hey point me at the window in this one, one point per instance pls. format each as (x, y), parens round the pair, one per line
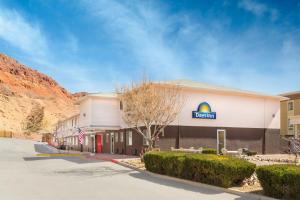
(290, 126)
(86, 140)
(76, 140)
(116, 137)
(290, 105)
(121, 137)
(121, 105)
(107, 138)
(129, 138)
(73, 141)
(145, 142)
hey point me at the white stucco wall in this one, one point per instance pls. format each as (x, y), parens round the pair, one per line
(105, 112)
(232, 110)
(85, 109)
(272, 114)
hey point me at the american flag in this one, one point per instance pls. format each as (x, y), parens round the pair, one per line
(80, 136)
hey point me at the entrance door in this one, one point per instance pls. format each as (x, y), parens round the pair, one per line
(221, 140)
(112, 143)
(99, 143)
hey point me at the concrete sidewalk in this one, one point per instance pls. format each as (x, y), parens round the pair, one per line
(109, 157)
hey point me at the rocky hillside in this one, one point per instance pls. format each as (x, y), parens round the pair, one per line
(22, 88)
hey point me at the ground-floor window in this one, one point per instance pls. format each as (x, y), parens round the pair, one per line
(76, 140)
(86, 140)
(116, 137)
(121, 137)
(145, 142)
(73, 141)
(221, 140)
(290, 125)
(107, 138)
(129, 138)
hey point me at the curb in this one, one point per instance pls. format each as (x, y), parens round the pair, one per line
(195, 184)
(57, 155)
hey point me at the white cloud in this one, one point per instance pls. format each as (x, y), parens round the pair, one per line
(165, 44)
(138, 28)
(259, 9)
(254, 7)
(175, 45)
(29, 38)
(15, 30)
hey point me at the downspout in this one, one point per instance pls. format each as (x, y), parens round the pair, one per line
(178, 135)
(265, 130)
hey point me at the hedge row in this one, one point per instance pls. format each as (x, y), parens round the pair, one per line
(209, 151)
(206, 168)
(280, 181)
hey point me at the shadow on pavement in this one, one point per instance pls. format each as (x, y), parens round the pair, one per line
(74, 159)
(171, 183)
(100, 171)
(42, 148)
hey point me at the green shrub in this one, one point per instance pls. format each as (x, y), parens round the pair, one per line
(217, 170)
(154, 162)
(212, 169)
(168, 163)
(209, 151)
(280, 181)
(251, 153)
(173, 164)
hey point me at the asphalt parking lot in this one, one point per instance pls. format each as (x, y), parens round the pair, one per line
(25, 176)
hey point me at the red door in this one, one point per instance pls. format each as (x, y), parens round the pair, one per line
(99, 143)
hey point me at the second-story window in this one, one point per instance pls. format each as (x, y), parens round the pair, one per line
(290, 106)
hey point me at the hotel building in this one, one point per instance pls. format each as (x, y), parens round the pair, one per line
(212, 116)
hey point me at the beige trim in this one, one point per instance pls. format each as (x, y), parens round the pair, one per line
(97, 95)
(295, 119)
(187, 84)
(220, 89)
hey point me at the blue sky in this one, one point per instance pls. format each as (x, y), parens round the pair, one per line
(95, 45)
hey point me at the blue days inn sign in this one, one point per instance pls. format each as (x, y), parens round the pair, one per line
(204, 112)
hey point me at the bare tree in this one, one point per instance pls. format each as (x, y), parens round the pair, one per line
(295, 147)
(149, 107)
